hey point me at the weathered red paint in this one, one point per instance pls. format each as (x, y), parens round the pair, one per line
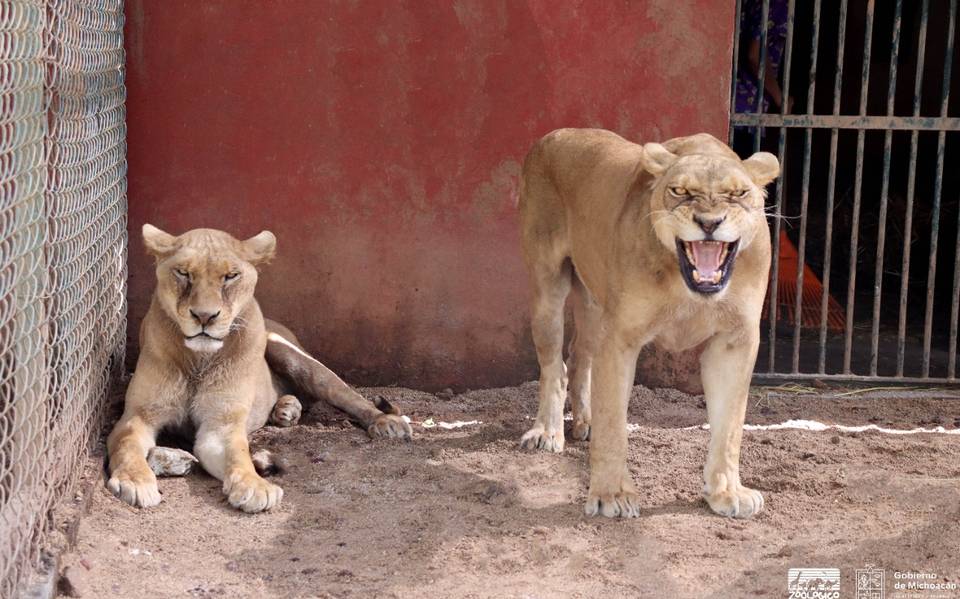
(381, 141)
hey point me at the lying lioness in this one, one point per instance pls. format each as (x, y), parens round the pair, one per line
(659, 243)
(210, 364)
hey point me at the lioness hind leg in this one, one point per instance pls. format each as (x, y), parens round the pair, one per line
(286, 412)
(311, 378)
(550, 289)
(586, 316)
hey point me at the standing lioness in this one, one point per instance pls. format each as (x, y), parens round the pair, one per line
(203, 368)
(659, 243)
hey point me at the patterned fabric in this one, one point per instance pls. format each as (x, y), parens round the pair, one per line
(751, 17)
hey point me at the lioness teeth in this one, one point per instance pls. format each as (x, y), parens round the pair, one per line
(714, 278)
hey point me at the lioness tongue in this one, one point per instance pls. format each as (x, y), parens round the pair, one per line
(706, 257)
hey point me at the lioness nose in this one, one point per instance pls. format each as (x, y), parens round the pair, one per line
(204, 317)
(709, 225)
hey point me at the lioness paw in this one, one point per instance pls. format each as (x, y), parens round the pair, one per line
(286, 412)
(390, 426)
(740, 503)
(139, 490)
(250, 493)
(170, 461)
(623, 504)
(581, 430)
(546, 439)
(612, 497)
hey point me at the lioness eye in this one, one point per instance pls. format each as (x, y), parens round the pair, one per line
(739, 193)
(182, 273)
(678, 191)
(231, 276)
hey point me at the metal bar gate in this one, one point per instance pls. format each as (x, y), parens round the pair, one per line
(819, 322)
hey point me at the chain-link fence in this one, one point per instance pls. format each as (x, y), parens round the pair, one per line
(62, 253)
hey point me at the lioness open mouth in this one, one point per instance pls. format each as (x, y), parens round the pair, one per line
(706, 265)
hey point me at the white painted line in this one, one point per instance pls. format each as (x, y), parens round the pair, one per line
(813, 425)
(803, 425)
(458, 424)
(430, 423)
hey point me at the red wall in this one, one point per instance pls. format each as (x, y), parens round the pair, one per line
(381, 141)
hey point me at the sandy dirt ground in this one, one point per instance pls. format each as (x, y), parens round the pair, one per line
(466, 513)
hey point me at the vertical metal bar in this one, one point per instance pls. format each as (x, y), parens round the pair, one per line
(775, 262)
(954, 309)
(761, 70)
(805, 189)
(911, 187)
(855, 223)
(779, 194)
(831, 190)
(937, 191)
(736, 67)
(884, 190)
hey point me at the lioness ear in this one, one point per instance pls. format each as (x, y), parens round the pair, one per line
(261, 247)
(157, 242)
(657, 158)
(763, 167)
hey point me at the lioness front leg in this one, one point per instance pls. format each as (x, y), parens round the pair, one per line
(726, 366)
(612, 492)
(150, 403)
(224, 452)
(131, 478)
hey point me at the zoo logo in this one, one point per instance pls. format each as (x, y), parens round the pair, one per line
(813, 583)
(870, 582)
